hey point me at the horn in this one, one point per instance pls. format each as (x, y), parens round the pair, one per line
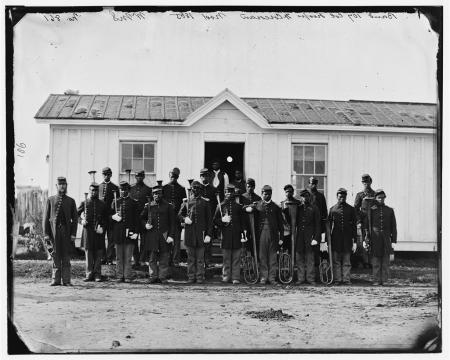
(248, 262)
(92, 173)
(159, 182)
(128, 171)
(286, 258)
(326, 265)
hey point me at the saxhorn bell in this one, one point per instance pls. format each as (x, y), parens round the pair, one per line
(326, 265)
(248, 263)
(254, 280)
(92, 173)
(286, 258)
(128, 171)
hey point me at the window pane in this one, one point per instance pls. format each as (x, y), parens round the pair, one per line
(309, 152)
(320, 153)
(298, 152)
(320, 167)
(309, 160)
(298, 166)
(309, 167)
(126, 164)
(126, 150)
(138, 151)
(138, 164)
(149, 165)
(149, 150)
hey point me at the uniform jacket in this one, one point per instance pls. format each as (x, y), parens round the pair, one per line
(318, 199)
(174, 194)
(199, 212)
(287, 215)
(272, 213)
(248, 198)
(384, 229)
(361, 205)
(342, 221)
(140, 193)
(308, 227)
(52, 210)
(209, 192)
(240, 186)
(127, 208)
(106, 193)
(231, 232)
(97, 215)
(162, 218)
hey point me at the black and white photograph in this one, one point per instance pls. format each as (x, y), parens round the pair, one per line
(224, 179)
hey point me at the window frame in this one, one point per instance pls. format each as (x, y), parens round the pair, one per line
(141, 142)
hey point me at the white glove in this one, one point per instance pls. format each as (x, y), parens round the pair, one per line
(358, 226)
(46, 237)
(249, 209)
(148, 226)
(243, 240)
(353, 248)
(393, 246)
(365, 245)
(313, 242)
(226, 218)
(134, 236)
(116, 217)
(83, 216)
(83, 222)
(323, 247)
(187, 220)
(169, 240)
(280, 242)
(323, 237)
(99, 230)
(207, 239)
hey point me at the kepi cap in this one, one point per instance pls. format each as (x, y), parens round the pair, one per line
(175, 171)
(94, 185)
(106, 170)
(124, 185)
(204, 171)
(380, 192)
(140, 173)
(156, 188)
(304, 193)
(231, 187)
(61, 180)
(288, 186)
(196, 184)
(365, 177)
(341, 191)
(250, 181)
(313, 180)
(266, 188)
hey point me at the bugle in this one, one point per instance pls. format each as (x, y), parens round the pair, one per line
(326, 265)
(92, 173)
(85, 206)
(251, 217)
(286, 257)
(128, 171)
(248, 262)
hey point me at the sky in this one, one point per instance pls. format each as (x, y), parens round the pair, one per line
(335, 58)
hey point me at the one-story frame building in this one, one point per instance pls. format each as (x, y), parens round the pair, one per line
(275, 141)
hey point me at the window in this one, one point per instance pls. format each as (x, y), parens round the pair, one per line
(309, 160)
(138, 156)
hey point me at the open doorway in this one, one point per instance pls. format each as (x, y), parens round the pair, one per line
(230, 155)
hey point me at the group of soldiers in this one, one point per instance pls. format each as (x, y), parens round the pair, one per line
(146, 225)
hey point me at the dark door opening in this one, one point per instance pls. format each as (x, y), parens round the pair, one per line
(230, 155)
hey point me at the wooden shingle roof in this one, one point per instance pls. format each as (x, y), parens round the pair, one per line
(175, 109)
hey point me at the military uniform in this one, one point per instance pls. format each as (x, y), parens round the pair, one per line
(60, 223)
(174, 194)
(199, 211)
(140, 192)
(161, 217)
(248, 199)
(239, 186)
(231, 238)
(106, 192)
(383, 232)
(122, 233)
(342, 221)
(287, 230)
(96, 215)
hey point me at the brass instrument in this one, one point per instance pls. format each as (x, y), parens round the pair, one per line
(326, 265)
(159, 182)
(92, 173)
(85, 206)
(286, 258)
(149, 215)
(248, 263)
(255, 254)
(188, 195)
(128, 171)
(115, 201)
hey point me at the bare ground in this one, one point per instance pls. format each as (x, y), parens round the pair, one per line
(92, 317)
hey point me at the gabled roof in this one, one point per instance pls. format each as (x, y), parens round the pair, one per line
(177, 109)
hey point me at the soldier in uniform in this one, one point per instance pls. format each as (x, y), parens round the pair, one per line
(289, 192)
(94, 215)
(342, 222)
(363, 201)
(140, 192)
(106, 192)
(381, 232)
(269, 233)
(308, 237)
(158, 219)
(219, 178)
(248, 198)
(239, 183)
(210, 193)
(195, 213)
(228, 218)
(174, 193)
(124, 231)
(60, 229)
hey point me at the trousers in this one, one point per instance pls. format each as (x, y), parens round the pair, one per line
(267, 255)
(380, 268)
(161, 272)
(110, 249)
(231, 264)
(93, 263)
(195, 263)
(341, 266)
(61, 257)
(124, 253)
(305, 265)
(176, 244)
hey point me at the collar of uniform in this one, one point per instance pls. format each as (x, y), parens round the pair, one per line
(267, 202)
(106, 182)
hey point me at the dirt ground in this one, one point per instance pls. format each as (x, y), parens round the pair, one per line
(111, 317)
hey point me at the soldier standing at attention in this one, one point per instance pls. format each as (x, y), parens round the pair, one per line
(140, 192)
(248, 198)
(289, 192)
(342, 221)
(158, 219)
(195, 213)
(381, 232)
(269, 231)
(174, 193)
(106, 192)
(94, 215)
(60, 228)
(209, 193)
(308, 237)
(230, 221)
(219, 178)
(363, 200)
(125, 234)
